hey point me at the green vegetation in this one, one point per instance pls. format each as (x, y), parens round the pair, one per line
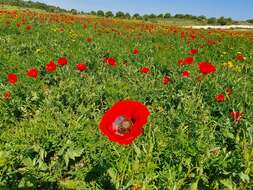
(31, 4)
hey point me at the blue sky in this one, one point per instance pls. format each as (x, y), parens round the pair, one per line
(237, 9)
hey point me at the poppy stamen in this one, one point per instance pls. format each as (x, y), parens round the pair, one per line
(122, 125)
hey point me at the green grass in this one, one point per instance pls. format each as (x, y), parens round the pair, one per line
(49, 136)
(11, 7)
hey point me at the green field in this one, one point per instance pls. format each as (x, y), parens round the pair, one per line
(49, 125)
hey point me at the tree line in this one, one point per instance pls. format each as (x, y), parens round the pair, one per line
(212, 20)
(120, 14)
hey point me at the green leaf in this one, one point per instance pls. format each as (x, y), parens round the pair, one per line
(4, 157)
(244, 177)
(194, 186)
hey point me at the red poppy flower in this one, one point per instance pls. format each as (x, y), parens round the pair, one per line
(210, 42)
(18, 25)
(33, 73)
(182, 35)
(199, 78)
(180, 62)
(28, 28)
(206, 68)
(144, 70)
(111, 61)
(220, 97)
(193, 51)
(89, 40)
(166, 80)
(81, 67)
(186, 61)
(240, 57)
(7, 95)
(23, 21)
(12, 78)
(186, 74)
(51, 67)
(236, 116)
(135, 51)
(62, 61)
(85, 26)
(124, 121)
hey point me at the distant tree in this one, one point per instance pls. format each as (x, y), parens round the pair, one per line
(167, 15)
(137, 16)
(187, 16)
(250, 21)
(145, 17)
(160, 16)
(120, 14)
(127, 15)
(109, 14)
(152, 16)
(211, 20)
(179, 16)
(222, 21)
(93, 13)
(100, 13)
(73, 11)
(194, 17)
(201, 17)
(229, 20)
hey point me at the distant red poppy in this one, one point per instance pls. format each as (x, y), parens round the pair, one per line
(110, 61)
(186, 61)
(29, 27)
(89, 40)
(124, 121)
(144, 70)
(236, 116)
(220, 97)
(193, 51)
(186, 74)
(135, 51)
(62, 61)
(210, 42)
(18, 25)
(12, 78)
(85, 25)
(182, 34)
(7, 95)
(199, 78)
(206, 68)
(166, 80)
(240, 57)
(23, 21)
(51, 67)
(33, 73)
(81, 67)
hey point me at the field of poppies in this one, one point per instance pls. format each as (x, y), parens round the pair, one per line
(95, 103)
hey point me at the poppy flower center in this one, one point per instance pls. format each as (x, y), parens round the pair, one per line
(122, 125)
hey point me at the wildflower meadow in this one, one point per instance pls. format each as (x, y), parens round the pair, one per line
(101, 103)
